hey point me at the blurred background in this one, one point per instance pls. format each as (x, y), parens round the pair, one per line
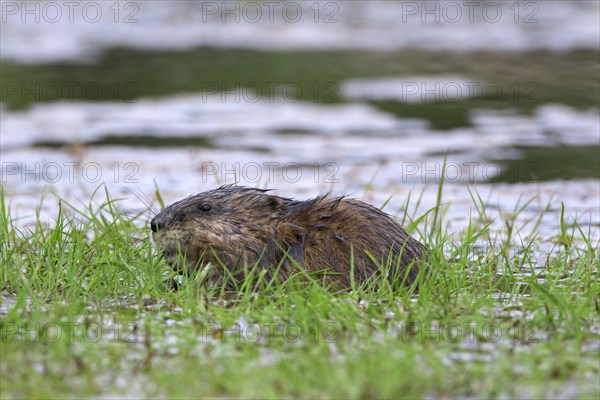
(365, 98)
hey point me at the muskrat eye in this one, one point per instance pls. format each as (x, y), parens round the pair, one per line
(205, 207)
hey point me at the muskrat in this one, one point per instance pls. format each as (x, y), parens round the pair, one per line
(239, 227)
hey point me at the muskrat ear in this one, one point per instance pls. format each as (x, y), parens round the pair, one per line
(276, 203)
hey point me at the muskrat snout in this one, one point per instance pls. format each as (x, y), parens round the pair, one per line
(156, 224)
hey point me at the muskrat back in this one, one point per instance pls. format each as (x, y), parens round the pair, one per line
(237, 227)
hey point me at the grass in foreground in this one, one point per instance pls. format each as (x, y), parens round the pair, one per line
(86, 313)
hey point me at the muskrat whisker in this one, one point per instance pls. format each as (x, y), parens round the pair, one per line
(145, 200)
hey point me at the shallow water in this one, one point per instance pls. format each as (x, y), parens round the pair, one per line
(47, 34)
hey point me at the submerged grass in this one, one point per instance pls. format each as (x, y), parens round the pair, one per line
(86, 312)
(522, 80)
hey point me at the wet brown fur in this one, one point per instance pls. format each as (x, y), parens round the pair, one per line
(247, 226)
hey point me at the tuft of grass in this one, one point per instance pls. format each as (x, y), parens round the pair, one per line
(86, 313)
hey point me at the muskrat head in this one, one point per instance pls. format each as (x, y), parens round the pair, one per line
(227, 226)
